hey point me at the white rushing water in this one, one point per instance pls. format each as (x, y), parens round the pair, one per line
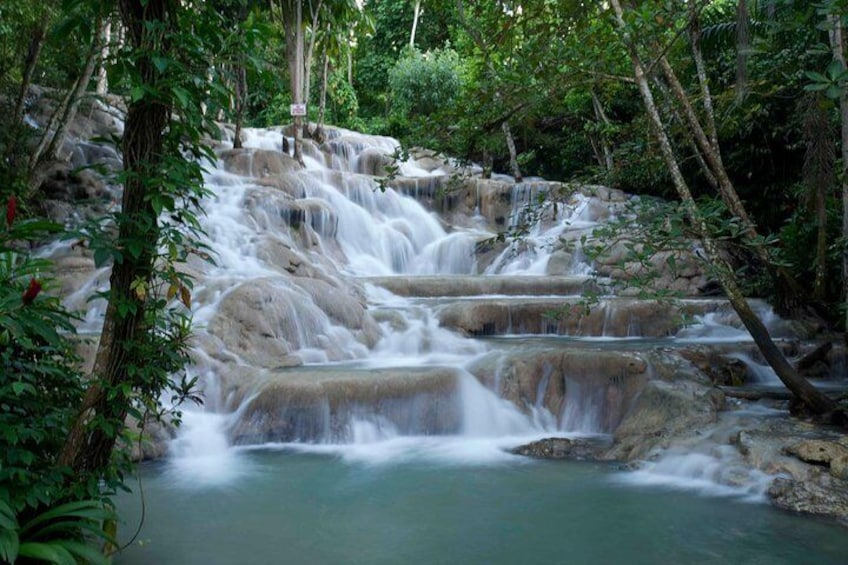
(294, 242)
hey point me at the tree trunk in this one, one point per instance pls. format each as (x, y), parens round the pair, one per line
(837, 43)
(90, 441)
(701, 71)
(102, 77)
(415, 14)
(315, 13)
(742, 46)
(712, 156)
(799, 386)
(65, 113)
(602, 118)
(240, 101)
(322, 107)
(513, 155)
(294, 55)
(819, 161)
(36, 42)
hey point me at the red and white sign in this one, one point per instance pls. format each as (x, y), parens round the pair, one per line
(298, 109)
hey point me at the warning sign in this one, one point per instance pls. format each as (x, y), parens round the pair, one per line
(298, 109)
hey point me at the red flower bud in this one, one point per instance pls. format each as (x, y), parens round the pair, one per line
(11, 210)
(31, 292)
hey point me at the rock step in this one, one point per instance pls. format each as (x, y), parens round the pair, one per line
(476, 285)
(587, 390)
(310, 404)
(611, 317)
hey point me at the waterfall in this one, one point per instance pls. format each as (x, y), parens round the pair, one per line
(301, 346)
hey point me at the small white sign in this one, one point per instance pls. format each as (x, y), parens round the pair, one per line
(298, 109)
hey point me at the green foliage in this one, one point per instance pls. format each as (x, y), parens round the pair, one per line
(422, 84)
(59, 535)
(377, 52)
(343, 103)
(163, 231)
(40, 386)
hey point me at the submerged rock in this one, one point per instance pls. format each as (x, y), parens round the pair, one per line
(818, 494)
(577, 449)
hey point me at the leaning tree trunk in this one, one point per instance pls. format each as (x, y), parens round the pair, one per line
(602, 118)
(712, 157)
(90, 442)
(799, 386)
(54, 134)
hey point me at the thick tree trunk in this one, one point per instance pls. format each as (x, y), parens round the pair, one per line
(513, 155)
(90, 441)
(294, 55)
(799, 386)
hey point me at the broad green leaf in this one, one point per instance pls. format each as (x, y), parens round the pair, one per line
(9, 545)
(161, 63)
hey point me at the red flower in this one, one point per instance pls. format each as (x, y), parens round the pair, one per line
(11, 210)
(31, 292)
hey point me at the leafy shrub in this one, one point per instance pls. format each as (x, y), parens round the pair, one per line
(57, 535)
(40, 386)
(421, 84)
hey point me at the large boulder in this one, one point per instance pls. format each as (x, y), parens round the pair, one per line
(819, 494)
(258, 163)
(661, 412)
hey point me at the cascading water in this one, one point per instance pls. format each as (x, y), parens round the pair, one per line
(335, 223)
(297, 348)
(291, 242)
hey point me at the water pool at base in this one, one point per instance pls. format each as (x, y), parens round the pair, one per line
(322, 508)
